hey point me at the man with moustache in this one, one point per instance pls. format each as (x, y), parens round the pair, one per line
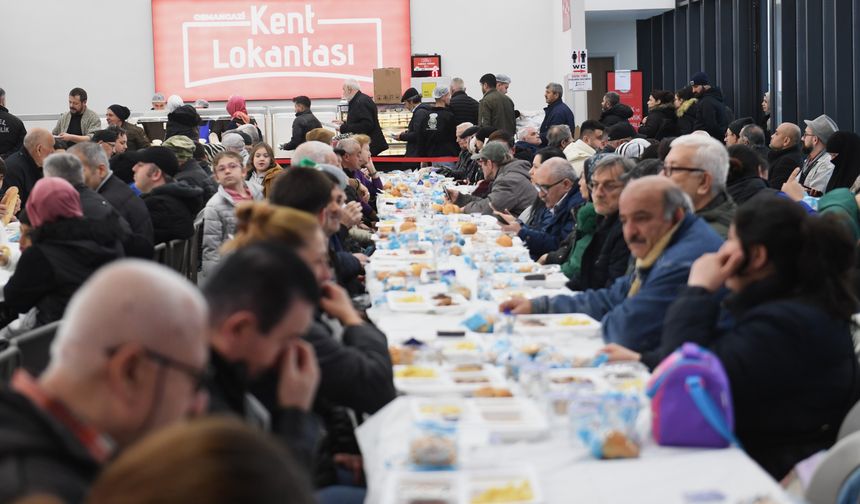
(665, 237)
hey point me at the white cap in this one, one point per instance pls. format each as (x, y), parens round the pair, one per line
(504, 79)
(439, 92)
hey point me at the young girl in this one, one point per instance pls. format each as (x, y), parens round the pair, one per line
(219, 215)
(262, 167)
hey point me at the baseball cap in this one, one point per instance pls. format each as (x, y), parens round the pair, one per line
(162, 157)
(469, 131)
(503, 78)
(484, 133)
(699, 79)
(822, 126)
(410, 95)
(494, 151)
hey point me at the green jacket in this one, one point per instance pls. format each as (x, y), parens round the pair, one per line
(137, 138)
(719, 213)
(497, 110)
(90, 123)
(841, 201)
(586, 226)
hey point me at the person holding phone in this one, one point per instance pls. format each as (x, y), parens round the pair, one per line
(789, 353)
(510, 184)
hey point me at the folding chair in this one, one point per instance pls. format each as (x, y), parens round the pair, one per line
(159, 254)
(194, 250)
(35, 347)
(10, 360)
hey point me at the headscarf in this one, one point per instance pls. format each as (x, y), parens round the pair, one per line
(236, 109)
(173, 103)
(51, 199)
(846, 166)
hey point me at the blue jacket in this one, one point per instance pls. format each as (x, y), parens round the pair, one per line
(556, 112)
(637, 322)
(553, 227)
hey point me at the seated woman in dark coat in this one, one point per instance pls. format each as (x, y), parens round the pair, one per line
(65, 250)
(787, 350)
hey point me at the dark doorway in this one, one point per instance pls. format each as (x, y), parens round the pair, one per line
(598, 68)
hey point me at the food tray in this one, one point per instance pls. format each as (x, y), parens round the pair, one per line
(461, 487)
(511, 419)
(420, 302)
(432, 380)
(564, 323)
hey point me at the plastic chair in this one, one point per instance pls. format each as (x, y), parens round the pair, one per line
(851, 423)
(195, 249)
(159, 253)
(836, 472)
(10, 360)
(35, 347)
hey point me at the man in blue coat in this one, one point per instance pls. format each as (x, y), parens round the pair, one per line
(665, 237)
(548, 225)
(556, 111)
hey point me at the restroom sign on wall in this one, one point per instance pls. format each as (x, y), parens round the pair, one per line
(579, 62)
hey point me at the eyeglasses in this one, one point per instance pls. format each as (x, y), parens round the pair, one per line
(669, 169)
(607, 186)
(199, 377)
(543, 188)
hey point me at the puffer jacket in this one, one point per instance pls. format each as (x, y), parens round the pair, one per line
(194, 175)
(662, 122)
(616, 114)
(219, 223)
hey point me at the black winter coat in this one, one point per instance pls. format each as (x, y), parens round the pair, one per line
(23, 173)
(173, 208)
(39, 455)
(780, 165)
(129, 206)
(743, 189)
(410, 136)
(464, 107)
(12, 132)
(616, 114)
(791, 367)
(662, 123)
(363, 117)
(437, 133)
(194, 175)
(183, 121)
(711, 114)
(304, 122)
(63, 255)
(605, 259)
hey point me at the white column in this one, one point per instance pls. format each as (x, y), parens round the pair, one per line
(577, 100)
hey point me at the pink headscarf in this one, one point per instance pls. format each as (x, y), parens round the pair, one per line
(52, 198)
(236, 106)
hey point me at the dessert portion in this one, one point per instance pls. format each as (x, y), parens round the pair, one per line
(415, 372)
(515, 491)
(617, 445)
(433, 451)
(492, 392)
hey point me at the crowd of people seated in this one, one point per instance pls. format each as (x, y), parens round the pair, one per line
(735, 234)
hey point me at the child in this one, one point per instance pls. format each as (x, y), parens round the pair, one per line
(219, 215)
(262, 167)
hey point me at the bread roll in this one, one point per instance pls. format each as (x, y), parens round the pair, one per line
(10, 200)
(469, 228)
(505, 241)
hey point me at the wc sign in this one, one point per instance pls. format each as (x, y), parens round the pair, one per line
(275, 49)
(579, 60)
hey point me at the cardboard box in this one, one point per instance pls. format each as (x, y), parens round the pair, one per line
(386, 86)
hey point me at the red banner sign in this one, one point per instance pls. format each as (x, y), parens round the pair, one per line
(275, 49)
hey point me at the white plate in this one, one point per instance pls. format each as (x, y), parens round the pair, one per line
(511, 418)
(402, 254)
(419, 302)
(563, 323)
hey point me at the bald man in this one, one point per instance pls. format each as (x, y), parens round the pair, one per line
(24, 168)
(127, 360)
(665, 237)
(784, 155)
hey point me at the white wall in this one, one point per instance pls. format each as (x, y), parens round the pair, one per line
(106, 48)
(616, 39)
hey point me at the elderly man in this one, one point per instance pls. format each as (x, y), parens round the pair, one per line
(503, 82)
(362, 117)
(784, 155)
(700, 166)
(527, 144)
(817, 166)
(556, 111)
(12, 130)
(99, 177)
(117, 115)
(495, 109)
(559, 136)
(591, 141)
(665, 238)
(128, 359)
(350, 160)
(112, 140)
(550, 223)
(464, 107)
(510, 186)
(606, 256)
(262, 300)
(318, 152)
(24, 168)
(79, 123)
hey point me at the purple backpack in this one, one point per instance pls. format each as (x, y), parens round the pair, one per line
(691, 404)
